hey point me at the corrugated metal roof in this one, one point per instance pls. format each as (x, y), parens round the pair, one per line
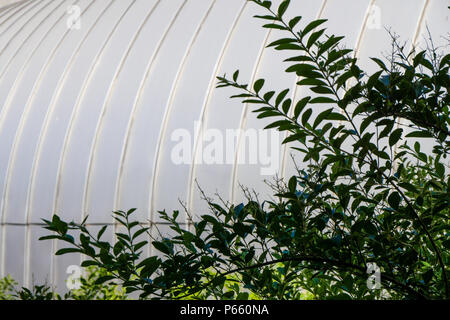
(87, 115)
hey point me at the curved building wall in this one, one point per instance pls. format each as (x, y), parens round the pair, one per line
(89, 114)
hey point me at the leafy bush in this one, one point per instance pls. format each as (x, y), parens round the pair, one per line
(359, 201)
(90, 289)
(93, 287)
(7, 285)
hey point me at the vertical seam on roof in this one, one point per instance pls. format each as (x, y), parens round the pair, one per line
(23, 26)
(206, 104)
(244, 116)
(20, 74)
(61, 82)
(3, 200)
(18, 8)
(414, 42)
(92, 154)
(137, 103)
(7, 106)
(155, 173)
(363, 29)
(68, 135)
(10, 9)
(6, 11)
(135, 107)
(36, 84)
(357, 47)
(24, 116)
(420, 24)
(296, 90)
(8, 64)
(53, 103)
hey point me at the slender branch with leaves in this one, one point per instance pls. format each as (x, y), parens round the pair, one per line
(365, 192)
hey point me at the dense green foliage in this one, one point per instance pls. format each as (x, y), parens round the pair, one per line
(365, 193)
(7, 285)
(90, 289)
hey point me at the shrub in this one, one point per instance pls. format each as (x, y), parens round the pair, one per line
(7, 285)
(90, 289)
(362, 220)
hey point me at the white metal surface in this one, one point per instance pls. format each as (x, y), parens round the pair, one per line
(86, 115)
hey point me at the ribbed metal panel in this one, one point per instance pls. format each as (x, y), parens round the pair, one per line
(86, 116)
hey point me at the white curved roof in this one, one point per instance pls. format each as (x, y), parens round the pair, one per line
(86, 115)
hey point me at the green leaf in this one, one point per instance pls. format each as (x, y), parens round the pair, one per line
(274, 26)
(419, 134)
(235, 75)
(300, 106)
(311, 82)
(281, 97)
(322, 100)
(139, 245)
(266, 17)
(343, 78)
(322, 90)
(162, 247)
(293, 184)
(103, 279)
(440, 169)
(281, 41)
(283, 7)
(131, 211)
(288, 46)
(150, 265)
(380, 64)
(242, 95)
(336, 55)
(286, 105)
(299, 59)
(277, 124)
(50, 237)
(374, 78)
(395, 136)
(394, 200)
(427, 64)
(370, 228)
(268, 114)
(301, 68)
(252, 101)
(269, 95)
(322, 116)
(293, 22)
(88, 263)
(101, 232)
(446, 244)
(139, 232)
(336, 116)
(366, 122)
(258, 85)
(408, 186)
(266, 4)
(294, 137)
(329, 44)
(314, 37)
(68, 250)
(306, 115)
(311, 26)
